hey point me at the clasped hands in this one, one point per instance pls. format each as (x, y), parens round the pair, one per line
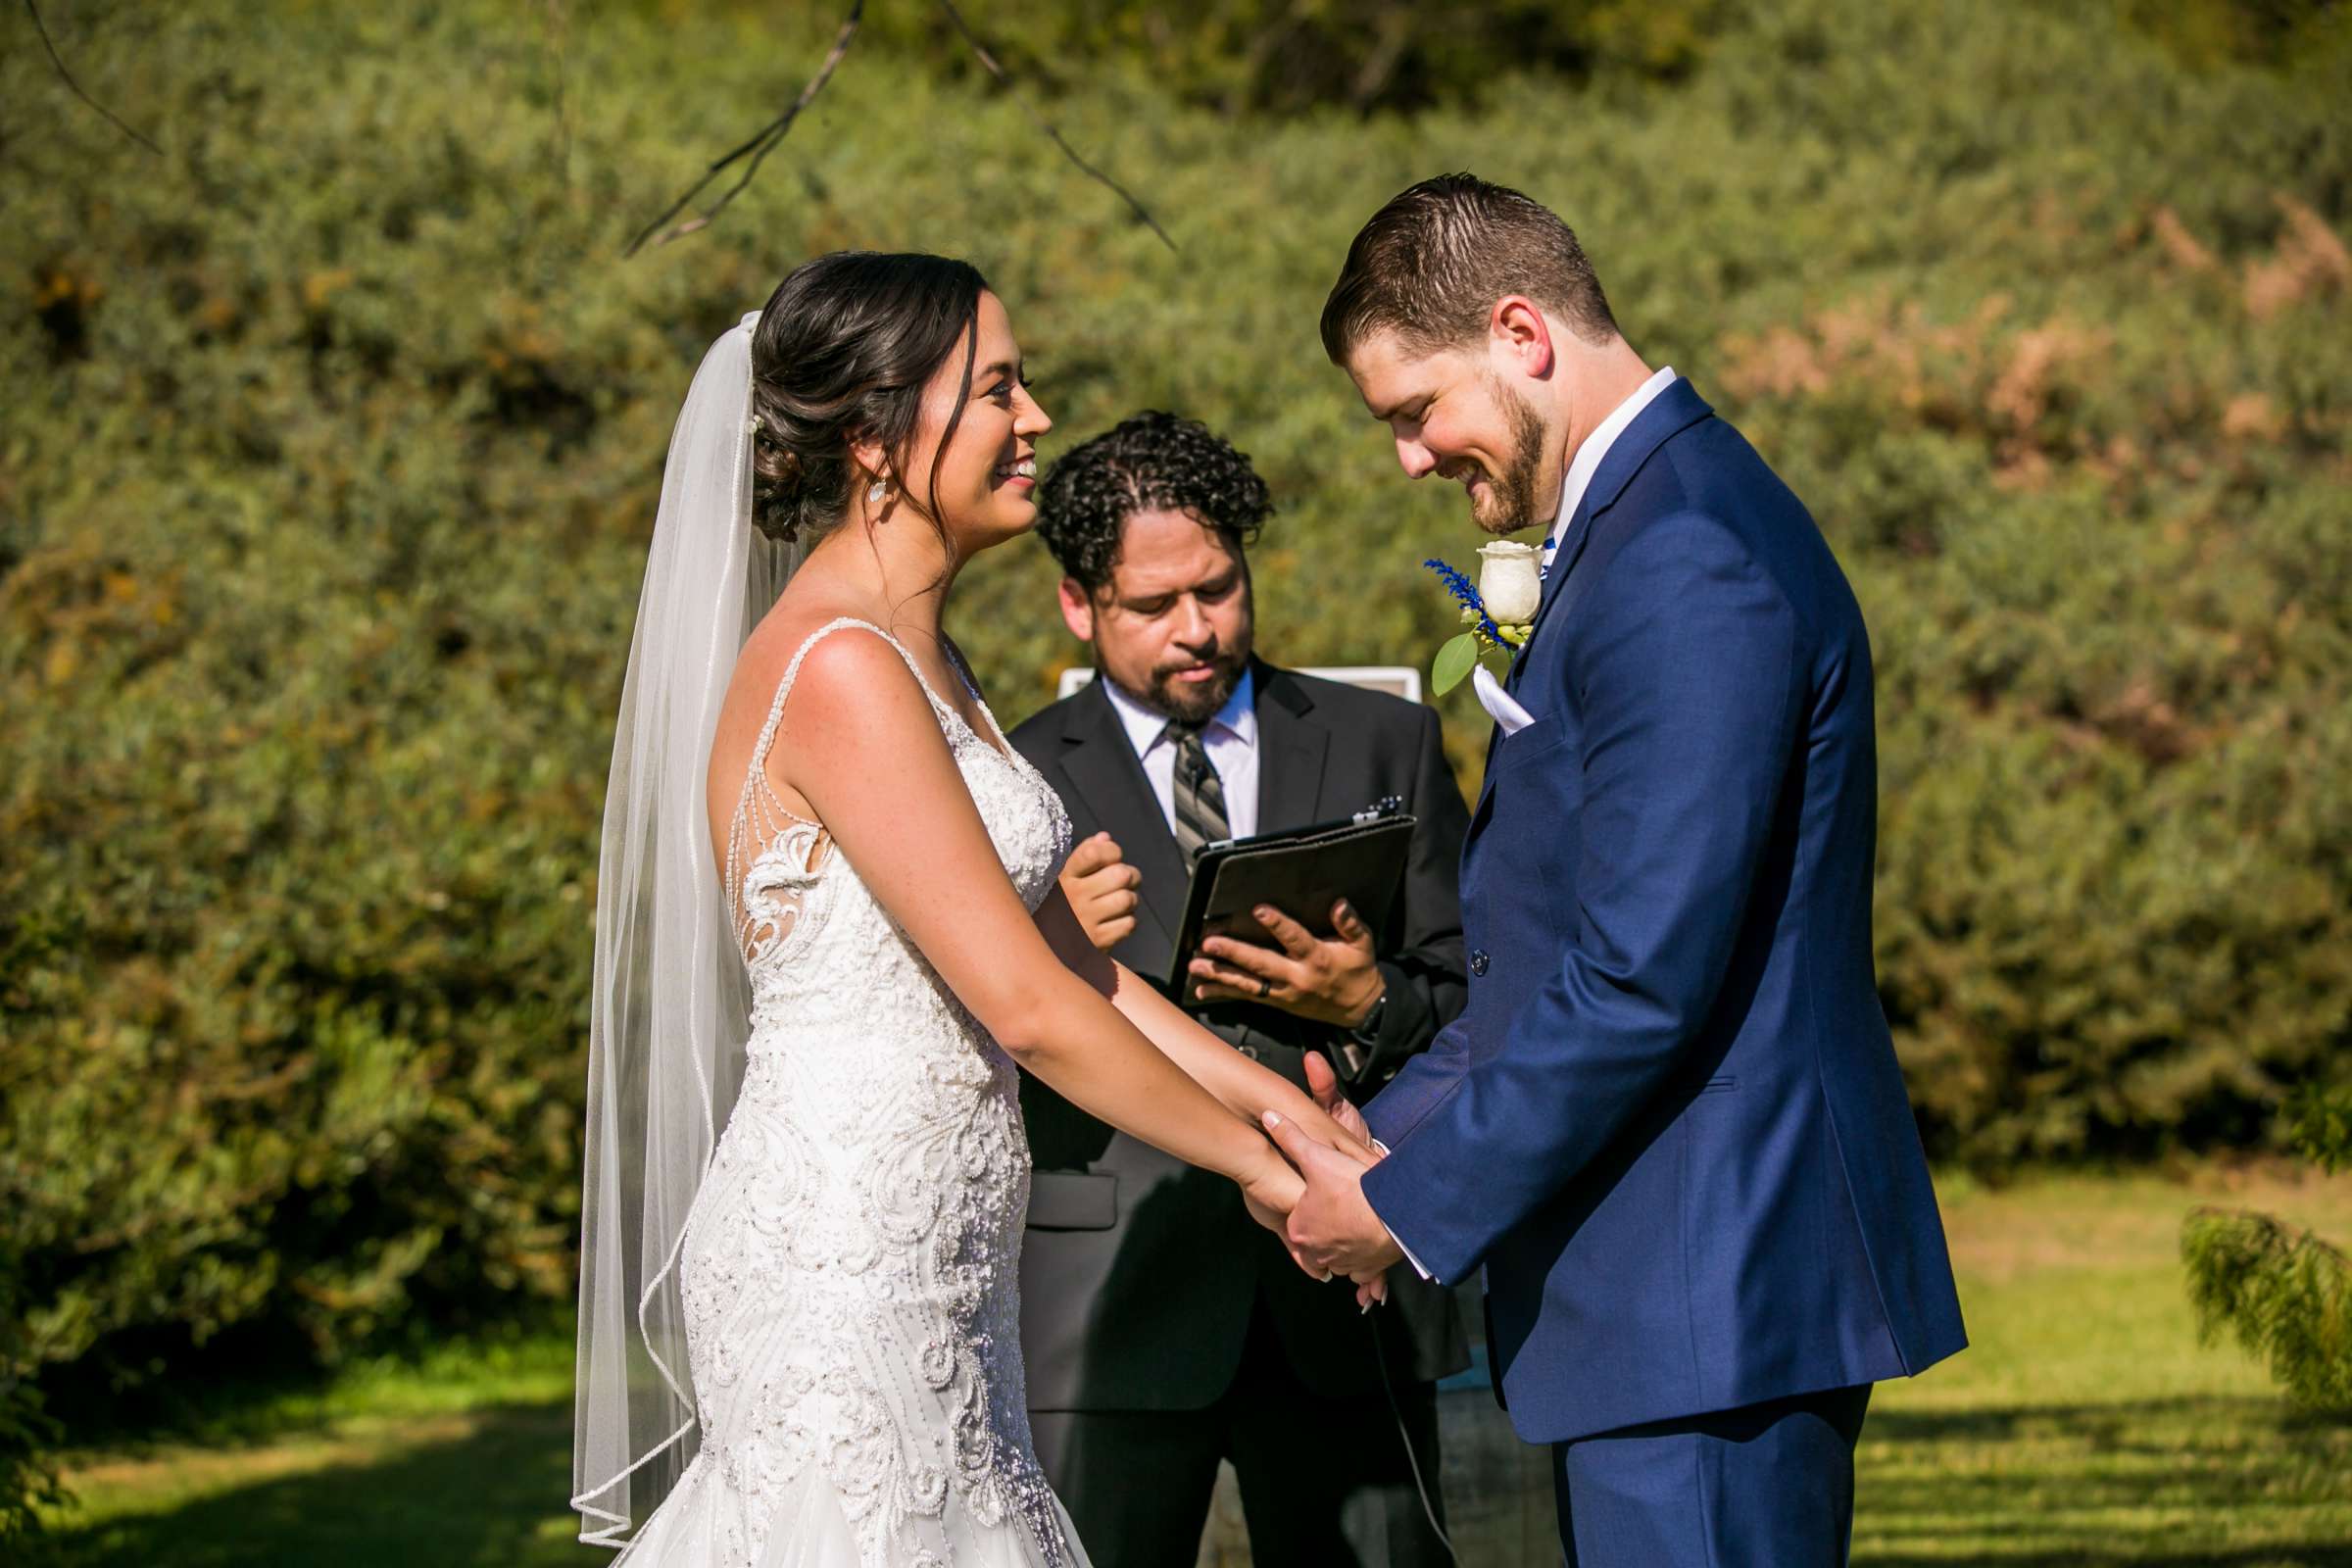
(1312, 1197)
(1329, 1227)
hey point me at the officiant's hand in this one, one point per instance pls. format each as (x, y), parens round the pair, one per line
(1331, 981)
(1102, 889)
(1332, 1227)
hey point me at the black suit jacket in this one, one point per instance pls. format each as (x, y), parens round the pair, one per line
(1138, 1273)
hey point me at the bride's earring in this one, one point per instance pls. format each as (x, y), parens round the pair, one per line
(876, 492)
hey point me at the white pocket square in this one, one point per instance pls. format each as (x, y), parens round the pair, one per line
(1500, 704)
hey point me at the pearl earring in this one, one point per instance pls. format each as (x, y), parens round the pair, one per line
(876, 492)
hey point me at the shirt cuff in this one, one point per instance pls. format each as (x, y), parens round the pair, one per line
(1382, 1149)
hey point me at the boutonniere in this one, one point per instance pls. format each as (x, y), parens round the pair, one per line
(1498, 609)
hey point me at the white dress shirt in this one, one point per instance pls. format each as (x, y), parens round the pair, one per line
(1230, 739)
(1499, 703)
(1586, 461)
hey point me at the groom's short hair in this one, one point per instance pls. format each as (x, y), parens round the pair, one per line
(1429, 266)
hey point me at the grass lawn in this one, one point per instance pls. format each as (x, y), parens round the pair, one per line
(2084, 1423)
(2083, 1426)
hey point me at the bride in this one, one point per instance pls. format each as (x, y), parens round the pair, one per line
(827, 929)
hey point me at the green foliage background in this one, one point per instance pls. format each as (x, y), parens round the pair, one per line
(334, 436)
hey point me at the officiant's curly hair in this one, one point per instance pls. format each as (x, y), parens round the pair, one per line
(1429, 266)
(1152, 461)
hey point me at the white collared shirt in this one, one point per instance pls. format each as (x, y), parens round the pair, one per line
(1499, 703)
(1586, 461)
(1230, 739)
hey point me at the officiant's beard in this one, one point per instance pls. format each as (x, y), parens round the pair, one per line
(1193, 702)
(1511, 504)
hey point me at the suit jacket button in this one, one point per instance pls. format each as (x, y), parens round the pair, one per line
(1247, 1050)
(1478, 962)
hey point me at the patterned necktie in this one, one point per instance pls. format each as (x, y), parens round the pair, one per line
(1199, 793)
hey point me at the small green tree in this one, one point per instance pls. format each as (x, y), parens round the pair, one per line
(27, 1481)
(2283, 1294)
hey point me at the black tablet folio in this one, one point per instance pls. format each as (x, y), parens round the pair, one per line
(1302, 872)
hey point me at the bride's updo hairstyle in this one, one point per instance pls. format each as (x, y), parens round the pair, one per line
(843, 350)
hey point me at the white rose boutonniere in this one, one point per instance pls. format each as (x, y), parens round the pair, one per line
(1507, 582)
(1500, 610)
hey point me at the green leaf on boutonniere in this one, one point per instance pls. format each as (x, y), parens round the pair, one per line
(1455, 659)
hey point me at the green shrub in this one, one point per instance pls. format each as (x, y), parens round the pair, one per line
(1241, 56)
(333, 437)
(27, 1481)
(2283, 1294)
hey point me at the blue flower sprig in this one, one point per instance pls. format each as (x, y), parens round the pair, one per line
(1458, 656)
(1463, 589)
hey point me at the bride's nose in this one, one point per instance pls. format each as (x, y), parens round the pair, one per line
(1032, 421)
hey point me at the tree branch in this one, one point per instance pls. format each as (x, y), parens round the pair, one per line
(58, 61)
(1041, 122)
(757, 149)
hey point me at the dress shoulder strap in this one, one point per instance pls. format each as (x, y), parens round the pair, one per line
(761, 819)
(791, 670)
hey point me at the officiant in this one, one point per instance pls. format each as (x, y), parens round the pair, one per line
(1162, 1329)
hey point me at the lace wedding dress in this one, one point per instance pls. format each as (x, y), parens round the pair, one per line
(849, 1268)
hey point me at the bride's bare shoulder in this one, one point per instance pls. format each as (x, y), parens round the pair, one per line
(844, 663)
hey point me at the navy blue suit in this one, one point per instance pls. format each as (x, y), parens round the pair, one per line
(1669, 1123)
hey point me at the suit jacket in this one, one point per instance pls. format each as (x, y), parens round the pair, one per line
(1138, 1273)
(1669, 1123)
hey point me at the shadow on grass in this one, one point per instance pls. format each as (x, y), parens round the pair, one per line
(484, 1499)
(2187, 1483)
(2207, 1483)
(2292, 1427)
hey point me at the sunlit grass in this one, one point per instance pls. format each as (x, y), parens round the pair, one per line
(2085, 1425)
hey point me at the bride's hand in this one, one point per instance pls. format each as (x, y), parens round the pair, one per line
(1327, 1117)
(1271, 1189)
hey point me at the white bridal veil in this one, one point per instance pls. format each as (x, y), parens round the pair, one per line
(668, 1013)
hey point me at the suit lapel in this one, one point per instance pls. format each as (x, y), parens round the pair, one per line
(1107, 775)
(1668, 414)
(1291, 749)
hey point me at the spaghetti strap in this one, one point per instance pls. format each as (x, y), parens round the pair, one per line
(791, 670)
(760, 815)
(761, 819)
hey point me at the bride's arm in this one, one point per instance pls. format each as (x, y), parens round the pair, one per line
(859, 743)
(1240, 1085)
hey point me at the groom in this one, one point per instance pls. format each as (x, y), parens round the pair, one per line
(1670, 1124)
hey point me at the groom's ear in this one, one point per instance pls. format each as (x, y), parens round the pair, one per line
(1518, 334)
(1078, 609)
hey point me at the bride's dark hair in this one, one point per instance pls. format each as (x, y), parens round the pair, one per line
(841, 353)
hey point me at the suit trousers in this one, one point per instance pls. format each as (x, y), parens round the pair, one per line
(1765, 1485)
(1325, 1482)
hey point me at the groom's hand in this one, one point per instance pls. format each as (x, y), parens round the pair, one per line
(1331, 980)
(1332, 1227)
(1324, 1083)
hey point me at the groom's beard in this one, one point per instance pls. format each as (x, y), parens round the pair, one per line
(1511, 504)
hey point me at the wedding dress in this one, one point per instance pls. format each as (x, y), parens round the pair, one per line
(849, 1263)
